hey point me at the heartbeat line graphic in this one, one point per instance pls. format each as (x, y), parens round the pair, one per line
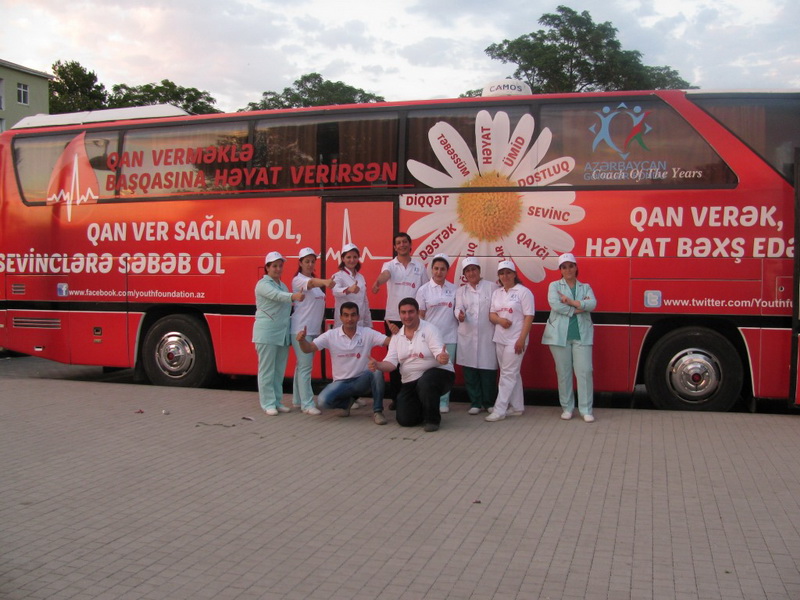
(347, 238)
(73, 196)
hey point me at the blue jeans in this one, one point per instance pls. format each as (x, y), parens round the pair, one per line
(339, 394)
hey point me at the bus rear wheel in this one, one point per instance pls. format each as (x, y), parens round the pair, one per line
(694, 368)
(177, 352)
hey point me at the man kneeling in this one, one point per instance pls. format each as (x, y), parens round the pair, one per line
(425, 369)
(350, 347)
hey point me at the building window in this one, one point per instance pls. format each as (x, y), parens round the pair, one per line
(22, 93)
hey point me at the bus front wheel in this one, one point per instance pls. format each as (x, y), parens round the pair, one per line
(177, 351)
(694, 368)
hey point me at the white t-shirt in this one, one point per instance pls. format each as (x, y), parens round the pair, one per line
(404, 282)
(349, 356)
(514, 305)
(417, 355)
(310, 312)
(438, 302)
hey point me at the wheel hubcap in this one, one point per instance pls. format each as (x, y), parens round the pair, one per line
(175, 354)
(694, 375)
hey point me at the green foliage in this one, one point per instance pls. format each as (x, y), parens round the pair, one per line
(313, 90)
(574, 54)
(75, 89)
(189, 99)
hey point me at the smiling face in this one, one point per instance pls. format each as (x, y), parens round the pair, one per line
(569, 271)
(402, 246)
(275, 269)
(472, 274)
(507, 278)
(439, 271)
(350, 259)
(307, 264)
(409, 316)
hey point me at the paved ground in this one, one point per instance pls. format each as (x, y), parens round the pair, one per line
(104, 496)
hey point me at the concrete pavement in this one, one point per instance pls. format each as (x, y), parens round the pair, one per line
(104, 496)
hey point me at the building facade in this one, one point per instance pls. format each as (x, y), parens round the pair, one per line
(23, 92)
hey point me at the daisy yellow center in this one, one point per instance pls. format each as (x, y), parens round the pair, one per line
(489, 216)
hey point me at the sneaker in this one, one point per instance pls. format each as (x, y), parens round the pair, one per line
(357, 403)
(379, 418)
(588, 418)
(271, 412)
(429, 427)
(282, 408)
(490, 410)
(514, 413)
(444, 408)
(566, 416)
(474, 410)
(312, 411)
(494, 417)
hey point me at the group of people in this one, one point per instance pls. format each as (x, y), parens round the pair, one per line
(431, 324)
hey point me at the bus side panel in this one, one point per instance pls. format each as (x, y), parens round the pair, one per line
(43, 330)
(773, 374)
(98, 319)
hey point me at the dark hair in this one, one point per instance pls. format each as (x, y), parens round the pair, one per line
(349, 306)
(440, 259)
(300, 267)
(516, 279)
(408, 302)
(358, 264)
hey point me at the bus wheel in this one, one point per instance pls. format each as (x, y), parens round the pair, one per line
(693, 368)
(177, 351)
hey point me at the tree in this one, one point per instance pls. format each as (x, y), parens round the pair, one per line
(577, 55)
(313, 90)
(75, 89)
(191, 100)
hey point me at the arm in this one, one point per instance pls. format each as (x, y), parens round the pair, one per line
(382, 278)
(498, 320)
(320, 283)
(305, 345)
(519, 345)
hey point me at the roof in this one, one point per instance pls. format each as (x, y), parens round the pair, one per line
(16, 67)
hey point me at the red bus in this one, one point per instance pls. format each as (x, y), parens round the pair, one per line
(137, 242)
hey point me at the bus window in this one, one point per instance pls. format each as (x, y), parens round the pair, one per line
(632, 142)
(181, 160)
(770, 126)
(36, 157)
(325, 153)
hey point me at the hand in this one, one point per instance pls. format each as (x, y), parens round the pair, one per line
(298, 296)
(443, 358)
(504, 323)
(301, 335)
(519, 347)
(353, 289)
(375, 287)
(461, 316)
(392, 327)
(372, 365)
(329, 283)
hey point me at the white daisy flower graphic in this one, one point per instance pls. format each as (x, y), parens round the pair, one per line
(520, 225)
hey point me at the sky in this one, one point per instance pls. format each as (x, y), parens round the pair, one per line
(415, 49)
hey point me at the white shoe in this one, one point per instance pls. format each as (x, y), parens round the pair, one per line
(514, 413)
(357, 404)
(444, 408)
(271, 412)
(474, 410)
(282, 408)
(312, 411)
(566, 415)
(588, 418)
(494, 417)
(490, 410)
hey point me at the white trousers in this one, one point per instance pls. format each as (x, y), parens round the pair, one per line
(509, 386)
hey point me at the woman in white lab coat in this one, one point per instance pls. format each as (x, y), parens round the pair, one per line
(476, 351)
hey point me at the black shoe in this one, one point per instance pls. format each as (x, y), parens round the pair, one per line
(431, 427)
(391, 405)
